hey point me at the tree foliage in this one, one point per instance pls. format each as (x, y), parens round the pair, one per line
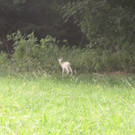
(7, 10)
(107, 23)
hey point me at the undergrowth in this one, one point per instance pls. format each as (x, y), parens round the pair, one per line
(32, 55)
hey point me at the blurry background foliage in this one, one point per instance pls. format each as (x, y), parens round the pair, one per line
(96, 36)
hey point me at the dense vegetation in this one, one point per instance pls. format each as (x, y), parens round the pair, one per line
(30, 55)
(94, 35)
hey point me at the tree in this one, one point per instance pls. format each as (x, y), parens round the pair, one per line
(107, 23)
(9, 14)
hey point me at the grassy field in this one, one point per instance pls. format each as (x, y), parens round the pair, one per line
(79, 105)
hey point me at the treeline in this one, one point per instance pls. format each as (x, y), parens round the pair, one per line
(94, 35)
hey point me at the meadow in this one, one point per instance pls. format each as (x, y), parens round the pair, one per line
(87, 104)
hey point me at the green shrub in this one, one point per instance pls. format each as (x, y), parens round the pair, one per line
(43, 56)
(25, 51)
(4, 62)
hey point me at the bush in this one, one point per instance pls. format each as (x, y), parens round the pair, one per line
(4, 62)
(25, 51)
(43, 56)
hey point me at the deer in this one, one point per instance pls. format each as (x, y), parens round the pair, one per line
(66, 66)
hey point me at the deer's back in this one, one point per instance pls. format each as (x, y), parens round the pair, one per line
(65, 64)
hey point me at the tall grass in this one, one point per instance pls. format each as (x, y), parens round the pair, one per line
(32, 104)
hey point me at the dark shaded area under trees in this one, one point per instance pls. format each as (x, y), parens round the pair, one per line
(40, 16)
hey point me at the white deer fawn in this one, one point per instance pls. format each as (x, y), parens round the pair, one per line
(65, 67)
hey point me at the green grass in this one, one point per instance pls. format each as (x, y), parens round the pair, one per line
(52, 105)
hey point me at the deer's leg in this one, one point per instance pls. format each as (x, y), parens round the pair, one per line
(62, 72)
(67, 70)
(70, 70)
